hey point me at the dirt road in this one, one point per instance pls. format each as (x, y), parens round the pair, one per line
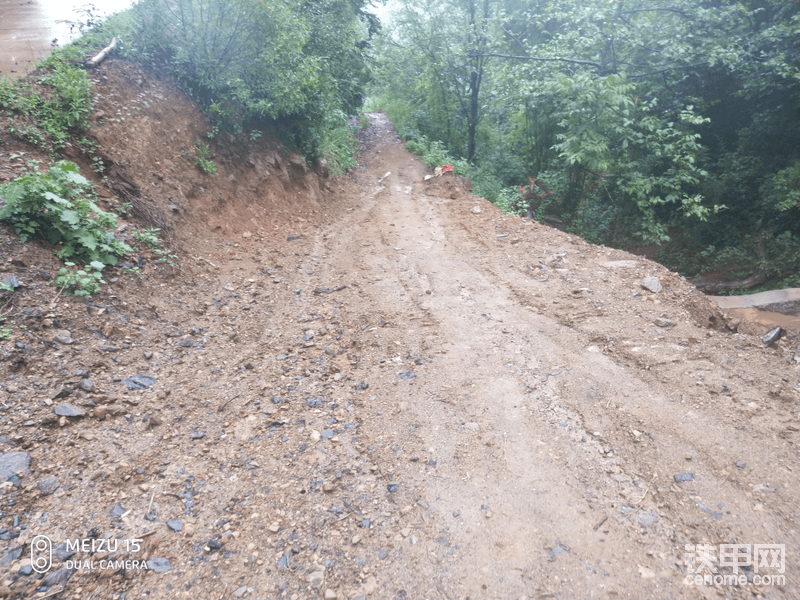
(557, 411)
(415, 396)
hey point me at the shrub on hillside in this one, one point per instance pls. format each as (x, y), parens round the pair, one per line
(57, 206)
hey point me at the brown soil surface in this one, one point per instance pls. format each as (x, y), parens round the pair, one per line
(375, 386)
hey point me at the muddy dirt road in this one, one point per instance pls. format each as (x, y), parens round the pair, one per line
(413, 396)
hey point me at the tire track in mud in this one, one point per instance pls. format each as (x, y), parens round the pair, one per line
(555, 457)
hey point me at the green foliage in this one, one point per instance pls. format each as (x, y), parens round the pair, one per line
(149, 237)
(81, 282)
(205, 164)
(782, 190)
(48, 119)
(58, 207)
(299, 66)
(645, 119)
(339, 149)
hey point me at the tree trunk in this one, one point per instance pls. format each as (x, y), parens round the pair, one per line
(474, 88)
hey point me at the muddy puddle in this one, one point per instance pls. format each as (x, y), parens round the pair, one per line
(766, 318)
(29, 29)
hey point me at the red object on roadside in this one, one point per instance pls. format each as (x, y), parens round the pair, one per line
(443, 169)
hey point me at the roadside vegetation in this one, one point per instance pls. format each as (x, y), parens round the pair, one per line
(651, 124)
(296, 69)
(641, 124)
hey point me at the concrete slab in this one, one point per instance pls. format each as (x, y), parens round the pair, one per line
(786, 301)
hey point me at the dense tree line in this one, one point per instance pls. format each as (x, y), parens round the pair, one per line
(300, 64)
(672, 121)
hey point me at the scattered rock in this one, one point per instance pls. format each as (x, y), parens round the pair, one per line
(14, 463)
(741, 464)
(680, 478)
(361, 386)
(87, 385)
(48, 485)
(159, 565)
(175, 524)
(100, 412)
(330, 594)
(12, 281)
(393, 487)
(315, 578)
(148, 354)
(717, 516)
(139, 382)
(652, 283)
(477, 210)
(240, 591)
(117, 511)
(407, 375)
(63, 336)
(472, 426)
(662, 322)
(322, 290)
(62, 392)
(558, 550)
(59, 577)
(773, 335)
(68, 410)
(621, 264)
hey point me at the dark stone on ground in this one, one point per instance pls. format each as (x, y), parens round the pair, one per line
(68, 410)
(14, 463)
(48, 485)
(159, 564)
(139, 382)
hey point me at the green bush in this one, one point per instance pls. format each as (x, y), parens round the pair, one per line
(58, 207)
(203, 161)
(248, 62)
(84, 282)
(49, 119)
(339, 149)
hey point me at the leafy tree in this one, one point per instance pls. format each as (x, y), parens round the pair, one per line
(300, 65)
(646, 119)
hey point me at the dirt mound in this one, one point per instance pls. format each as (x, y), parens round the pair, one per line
(373, 387)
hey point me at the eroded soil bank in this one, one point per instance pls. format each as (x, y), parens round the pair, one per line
(375, 387)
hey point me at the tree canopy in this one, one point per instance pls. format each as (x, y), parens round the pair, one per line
(674, 121)
(301, 63)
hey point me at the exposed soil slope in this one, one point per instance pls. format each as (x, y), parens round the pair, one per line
(379, 387)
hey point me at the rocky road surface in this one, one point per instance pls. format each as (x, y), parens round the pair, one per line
(417, 397)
